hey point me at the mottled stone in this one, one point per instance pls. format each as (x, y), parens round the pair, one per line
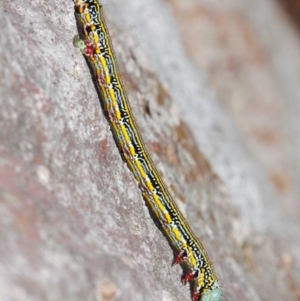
(214, 88)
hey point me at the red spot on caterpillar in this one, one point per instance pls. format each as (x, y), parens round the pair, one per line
(181, 256)
(89, 50)
(195, 296)
(188, 277)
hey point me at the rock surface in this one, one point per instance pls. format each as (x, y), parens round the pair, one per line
(215, 90)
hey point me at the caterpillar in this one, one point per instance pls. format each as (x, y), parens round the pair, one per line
(94, 42)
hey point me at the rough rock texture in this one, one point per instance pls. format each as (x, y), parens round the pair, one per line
(215, 88)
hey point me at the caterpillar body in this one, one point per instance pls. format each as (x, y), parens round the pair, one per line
(94, 42)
